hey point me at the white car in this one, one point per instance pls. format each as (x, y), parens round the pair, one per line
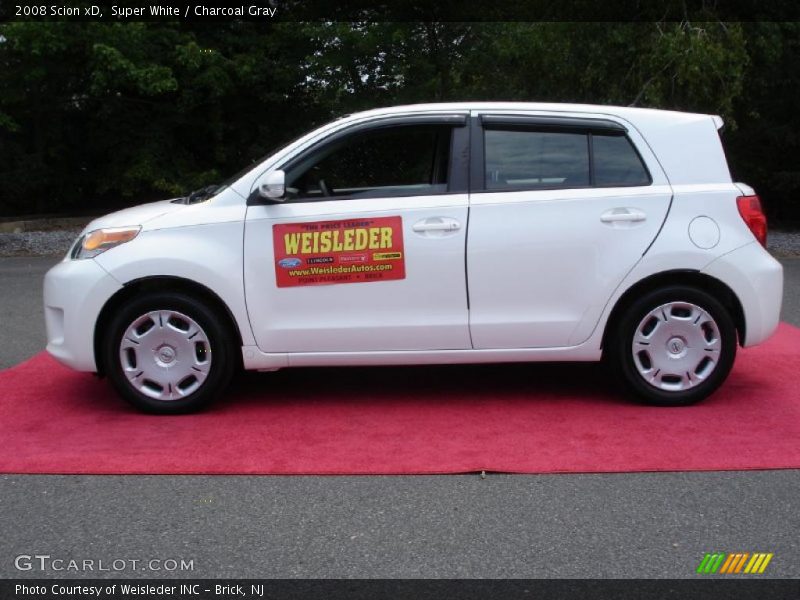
(435, 233)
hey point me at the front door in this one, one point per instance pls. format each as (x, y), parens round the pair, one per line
(367, 253)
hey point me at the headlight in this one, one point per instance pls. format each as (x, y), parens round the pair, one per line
(98, 241)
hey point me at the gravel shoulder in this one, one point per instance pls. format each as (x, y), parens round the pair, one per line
(784, 243)
(37, 243)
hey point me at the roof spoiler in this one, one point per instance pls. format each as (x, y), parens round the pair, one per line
(720, 124)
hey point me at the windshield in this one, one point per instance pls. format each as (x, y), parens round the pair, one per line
(209, 191)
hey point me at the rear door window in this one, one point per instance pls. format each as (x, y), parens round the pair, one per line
(519, 158)
(533, 159)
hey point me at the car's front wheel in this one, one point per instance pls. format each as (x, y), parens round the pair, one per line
(167, 353)
(674, 346)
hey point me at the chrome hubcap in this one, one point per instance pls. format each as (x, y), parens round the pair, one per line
(165, 354)
(676, 346)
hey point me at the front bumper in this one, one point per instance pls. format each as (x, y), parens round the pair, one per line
(757, 280)
(75, 292)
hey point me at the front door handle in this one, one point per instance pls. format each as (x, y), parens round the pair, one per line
(436, 224)
(621, 215)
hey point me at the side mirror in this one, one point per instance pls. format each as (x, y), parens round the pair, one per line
(273, 186)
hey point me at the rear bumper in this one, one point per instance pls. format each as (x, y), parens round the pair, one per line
(75, 292)
(757, 280)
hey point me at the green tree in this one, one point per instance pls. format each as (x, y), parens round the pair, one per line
(99, 115)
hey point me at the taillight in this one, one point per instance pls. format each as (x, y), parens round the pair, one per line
(754, 217)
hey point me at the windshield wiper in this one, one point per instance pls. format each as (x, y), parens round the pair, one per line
(199, 195)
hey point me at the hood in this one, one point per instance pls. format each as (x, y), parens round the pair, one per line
(136, 215)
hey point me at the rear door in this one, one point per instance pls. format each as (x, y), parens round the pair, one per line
(367, 254)
(561, 209)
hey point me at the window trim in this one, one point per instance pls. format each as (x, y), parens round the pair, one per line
(547, 123)
(588, 126)
(459, 149)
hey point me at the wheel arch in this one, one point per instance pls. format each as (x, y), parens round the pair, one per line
(678, 277)
(161, 284)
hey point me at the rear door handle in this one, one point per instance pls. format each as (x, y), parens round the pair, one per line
(621, 215)
(436, 224)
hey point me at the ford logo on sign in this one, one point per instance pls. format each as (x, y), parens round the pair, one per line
(289, 263)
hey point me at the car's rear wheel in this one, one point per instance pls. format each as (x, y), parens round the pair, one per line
(168, 353)
(674, 346)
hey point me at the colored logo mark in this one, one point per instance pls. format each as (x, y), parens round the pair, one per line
(387, 255)
(734, 563)
(289, 263)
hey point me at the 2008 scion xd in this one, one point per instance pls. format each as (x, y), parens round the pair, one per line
(440, 233)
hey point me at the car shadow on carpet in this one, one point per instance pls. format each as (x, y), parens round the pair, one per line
(476, 382)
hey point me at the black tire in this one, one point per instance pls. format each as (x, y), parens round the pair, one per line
(221, 342)
(621, 356)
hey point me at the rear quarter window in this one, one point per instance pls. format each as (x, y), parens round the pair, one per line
(616, 162)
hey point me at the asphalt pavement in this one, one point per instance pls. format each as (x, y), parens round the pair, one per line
(636, 525)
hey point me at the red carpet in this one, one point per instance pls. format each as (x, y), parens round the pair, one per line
(450, 419)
